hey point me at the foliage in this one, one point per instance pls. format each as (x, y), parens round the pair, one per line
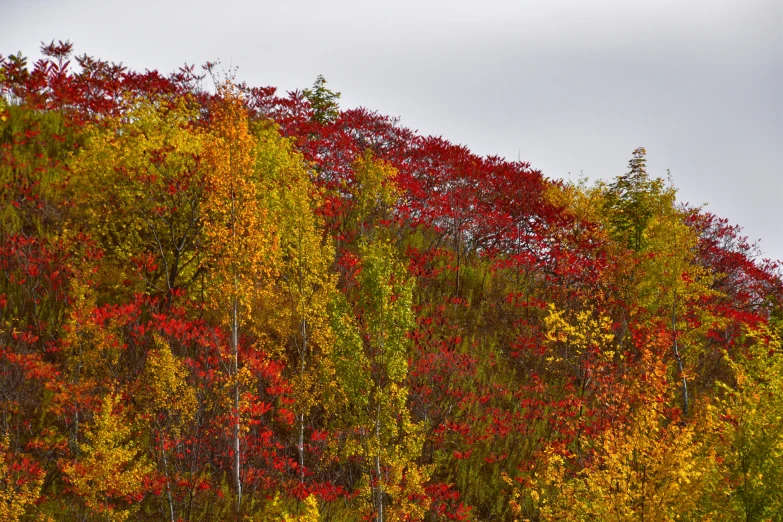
(750, 431)
(323, 101)
(109, 474)
(235, 305)
(18, 494)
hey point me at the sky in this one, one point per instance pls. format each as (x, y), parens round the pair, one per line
(571, 86)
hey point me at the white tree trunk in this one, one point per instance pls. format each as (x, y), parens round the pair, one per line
(235, 369)
(379, 486)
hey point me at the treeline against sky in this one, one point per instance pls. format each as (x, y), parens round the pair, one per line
(226, 304)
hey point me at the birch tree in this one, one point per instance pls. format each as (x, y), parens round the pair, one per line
(241, 244)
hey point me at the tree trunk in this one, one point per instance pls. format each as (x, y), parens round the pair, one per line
(379, 486)
(168, 484)
(300, 445)
(235, 369)
(679, 359)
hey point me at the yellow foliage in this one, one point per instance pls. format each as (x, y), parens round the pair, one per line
(167, 389)
(578, 331)
(305, 285)
(109, 472)
(310, 513)
(646, 471)
(578, 199)
(666, 273)
(750, 428)
(17, 497)
(376, 191)
(376, 179)
(139, 187)
(279, 511)
(95, 349)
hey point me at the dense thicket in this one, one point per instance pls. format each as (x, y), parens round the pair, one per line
(229, 305)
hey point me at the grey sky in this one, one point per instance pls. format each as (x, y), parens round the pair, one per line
(569, 85)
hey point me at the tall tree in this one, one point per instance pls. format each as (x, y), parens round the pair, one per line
(322, 101)
(372, 367)
(168, 403)
(305, 285)
(241, 243)
(628, 201)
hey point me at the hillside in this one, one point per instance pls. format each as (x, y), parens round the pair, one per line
(228, 304)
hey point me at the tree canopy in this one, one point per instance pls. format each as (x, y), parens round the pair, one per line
(229, 304)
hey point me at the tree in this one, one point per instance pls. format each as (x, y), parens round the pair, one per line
(372, 368)
(109, 475)
(652, 470)
(139, 184)
(661, 276)
(169, 403)
(241, 243)
(749, 420)
(322, 101)
(305, 284)
(629, 202)
(386, 307)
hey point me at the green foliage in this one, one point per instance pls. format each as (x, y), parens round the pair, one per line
(352, 366)
(372, 367)
(630, 202)
(323, 101)
(33, 149)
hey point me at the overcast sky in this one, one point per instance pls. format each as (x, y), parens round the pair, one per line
(568, 85)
